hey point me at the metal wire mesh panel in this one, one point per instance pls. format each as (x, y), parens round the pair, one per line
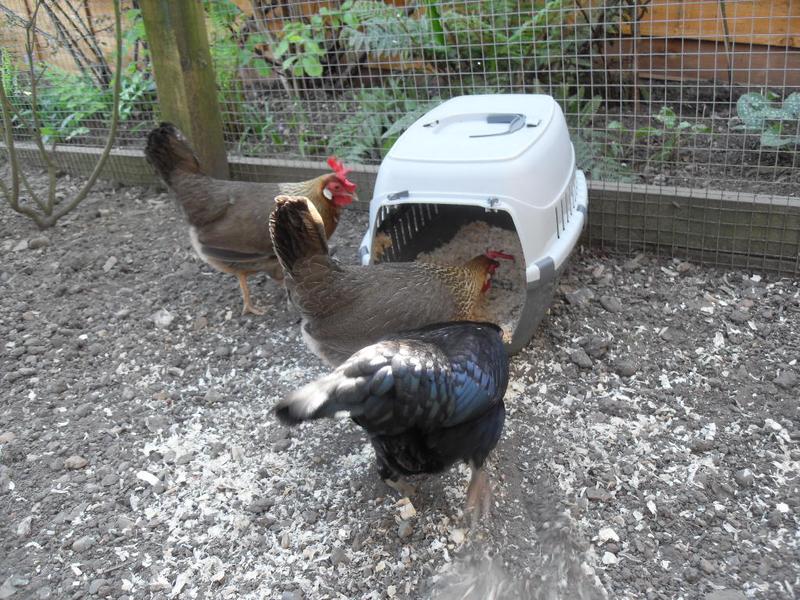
(653, 90)
(670, 94)
(684, 113)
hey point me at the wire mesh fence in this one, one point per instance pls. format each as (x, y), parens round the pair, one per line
(669, 94)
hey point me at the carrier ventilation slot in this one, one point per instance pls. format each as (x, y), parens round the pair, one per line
(565, 207)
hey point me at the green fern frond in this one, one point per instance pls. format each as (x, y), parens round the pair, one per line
(383, 30)
(378, 118)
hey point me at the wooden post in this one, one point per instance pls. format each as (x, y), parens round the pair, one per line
(187, 89)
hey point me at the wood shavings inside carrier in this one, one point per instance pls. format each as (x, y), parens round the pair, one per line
(506, 297)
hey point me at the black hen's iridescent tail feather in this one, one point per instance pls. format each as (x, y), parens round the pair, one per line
(323, 397)
(168, 151)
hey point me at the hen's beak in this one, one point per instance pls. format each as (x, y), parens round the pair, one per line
(487, 279)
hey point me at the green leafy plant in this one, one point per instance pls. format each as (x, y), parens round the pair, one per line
(9, 74)
(67, 103)
(494, 39)
(70, 104)
(137, 96)
(259, 130)
(299, 50)
(231, 53)
(779, 125)
(535, 43)
(502, 46)
(498, 45)
(669, 131)
(591, 145)
(360, 26)
(134, 39)
(11, 79)
(435, 17)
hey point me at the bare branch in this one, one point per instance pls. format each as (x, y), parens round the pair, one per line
(13, 17)
(114, 119)
(64, 37)
(13, 197)
(100, 68)
(30, 44)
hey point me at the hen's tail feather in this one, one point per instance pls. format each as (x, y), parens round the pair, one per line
(168, 151)
(322, 398)
(297, 231)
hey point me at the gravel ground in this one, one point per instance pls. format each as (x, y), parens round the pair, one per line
(651, 447)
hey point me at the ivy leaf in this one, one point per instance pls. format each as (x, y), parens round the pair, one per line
(281, 48)
(667, 117)
(791, 106)
(312, 66)
(772, 138)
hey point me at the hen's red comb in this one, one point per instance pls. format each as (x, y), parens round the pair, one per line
(341, 172)
(494, 254)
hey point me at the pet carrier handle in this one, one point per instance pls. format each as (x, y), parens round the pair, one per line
(516, 121)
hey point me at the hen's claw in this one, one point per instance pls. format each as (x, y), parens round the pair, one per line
(249, 308)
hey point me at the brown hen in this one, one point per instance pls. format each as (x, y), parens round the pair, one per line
(345, 308)
(228, 220)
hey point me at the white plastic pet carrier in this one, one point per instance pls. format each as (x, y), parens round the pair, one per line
(505, 159)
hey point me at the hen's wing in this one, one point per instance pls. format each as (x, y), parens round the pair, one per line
(241, 232)
(400, 384)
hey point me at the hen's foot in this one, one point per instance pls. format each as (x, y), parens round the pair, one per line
(402, 487)
(479, 496)
(248, 306)
(253, 310)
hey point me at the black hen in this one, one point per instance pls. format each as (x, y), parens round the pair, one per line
(427, 398)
